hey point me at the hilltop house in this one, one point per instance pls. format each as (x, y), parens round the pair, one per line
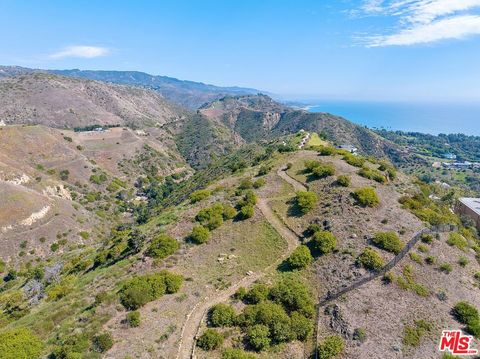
(469, 207)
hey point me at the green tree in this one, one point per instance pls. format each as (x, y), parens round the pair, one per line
(293, 294)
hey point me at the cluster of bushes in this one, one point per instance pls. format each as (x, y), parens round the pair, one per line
(99, 178)
(273, 315)
(162, 246)
(370, 259)
(20, 344)
(366, 197)
(388, 241)
(140, 290)
(212, 217)
(319, 169)
(354, 160)
(457, 240)
(388, 169)
(467, 314)
(428, 211)
(372, 174)
(123, 243)
(306, 201)
(246, 205)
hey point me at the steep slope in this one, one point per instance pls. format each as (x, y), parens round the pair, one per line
(256, 117)
(58, 101)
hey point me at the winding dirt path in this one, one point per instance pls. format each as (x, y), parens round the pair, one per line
(186, 347)
(298, 186)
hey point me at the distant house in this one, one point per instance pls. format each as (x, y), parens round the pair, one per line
(349, 148)
(450, 156)
(469, 207)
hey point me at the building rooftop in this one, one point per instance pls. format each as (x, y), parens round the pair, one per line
(472, 203)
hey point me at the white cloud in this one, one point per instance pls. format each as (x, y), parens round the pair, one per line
(87, 52)
(456, 27)
(424, 21)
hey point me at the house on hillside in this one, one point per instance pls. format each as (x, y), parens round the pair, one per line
(349, 148)
(469, 207)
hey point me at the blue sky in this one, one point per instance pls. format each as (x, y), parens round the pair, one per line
(400, 50)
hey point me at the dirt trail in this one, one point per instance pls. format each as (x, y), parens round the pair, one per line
(186, 348)
(298, 186)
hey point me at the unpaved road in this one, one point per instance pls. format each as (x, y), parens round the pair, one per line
(195, 317)
(298, 186)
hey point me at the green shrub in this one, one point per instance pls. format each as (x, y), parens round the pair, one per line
(234, 353)
(259, 183)
(257, 293)
(427, 238)
(366, 197)
(98, 178)
(102, 342)
(249, 198)
(343, 181)
(140, 290)
(430, 260)
(300, 258)
(331, 347)
(463, 262)
(133, 319)
(245, 183)
(370, 259)
(210, 340)
(353, 160)
(446, 268)
(222, 315)
(228, 212)
(388, 241)
(199, 234)
(294, 295)
(211, 217)
(372, 174)
(258, 337)
(84, 235)
(324, 170)
(422, 248)
(465, 312)
(200, 195)
(306, 201)
(162, 246)
(263, 170)
(240, 294)
(416, 258)
(302, 327)
(324, 241)
(325, 150)
(247, 211)
(20, 344)
(412, 335)
(457, 240)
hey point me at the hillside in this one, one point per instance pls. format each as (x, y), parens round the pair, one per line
(257, 117)
(62, 102)
(245, 262)
(188, 94)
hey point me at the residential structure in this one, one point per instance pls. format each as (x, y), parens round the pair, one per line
(469, 207)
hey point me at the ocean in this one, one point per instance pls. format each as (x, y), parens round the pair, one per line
(433, 118)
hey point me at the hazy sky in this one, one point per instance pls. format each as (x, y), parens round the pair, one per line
(374, 49)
